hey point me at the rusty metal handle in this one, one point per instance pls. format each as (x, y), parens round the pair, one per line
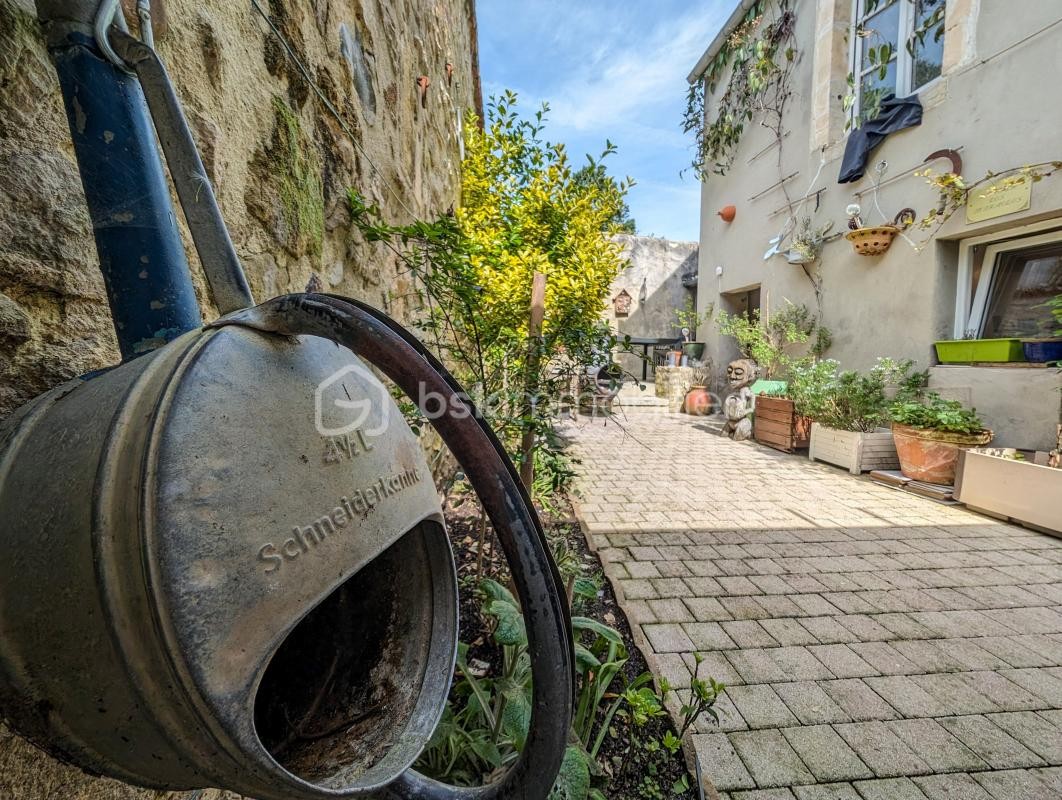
(381, 341)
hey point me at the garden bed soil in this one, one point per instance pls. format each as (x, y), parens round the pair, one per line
(621, 757)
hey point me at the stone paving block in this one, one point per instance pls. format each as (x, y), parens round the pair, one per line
(743, 607)
(991, 743)
(730, 718)
(638, 612)
(640, 589)
(828, 630)
(953, 786)
(703, 568)
(881, 750)
(826, 791)
(849, 602)
(720, 762)
(645, 554)
(756, 666)
(842, 661)
(865, 628)
(668, 638)
(716, 665)
(1039, 682)
(770, 584)
(928, 655)
(670, 609)
(748, 633)
(706, 609)
(703, 587)
(763, 794)
(858, 701)
(788, 632)
(907, 697)
(884, 658)
(814, 605)
(800, 665)
(1051, 777)
(974, 653)
(1033, 731)
(670, 569)
(778, 606)
(708, 636)
(1006, 694)
(809, 703)
(955, 695)
(673, 667)
(806, 583)
(760, 707)
(889, 789)
(903, 627)
(825, 753)
(641, 569)
(938, 748)
(769, 758)
(670, 587)
(1021, 784)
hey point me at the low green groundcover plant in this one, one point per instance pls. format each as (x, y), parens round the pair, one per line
(485, 725)
(936, 414)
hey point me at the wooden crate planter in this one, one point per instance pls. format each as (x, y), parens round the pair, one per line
(856, 452)
(777, 425)
(1018, 490)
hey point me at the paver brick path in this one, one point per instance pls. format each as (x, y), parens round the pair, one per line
(874, 644)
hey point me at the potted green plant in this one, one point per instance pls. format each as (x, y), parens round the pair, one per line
(849, 411)
(1048, 346)
(776, 422)
(807, 242)
(929, 433)
(688, 318)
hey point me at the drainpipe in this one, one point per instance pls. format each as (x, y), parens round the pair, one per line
(149, 285)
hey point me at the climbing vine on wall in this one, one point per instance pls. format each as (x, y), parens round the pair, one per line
(757, 61)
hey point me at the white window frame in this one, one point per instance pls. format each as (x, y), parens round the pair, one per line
(904, 59)
(970, 307)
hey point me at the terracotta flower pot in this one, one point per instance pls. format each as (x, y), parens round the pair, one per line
(727, 213)
(933, 456)
(872, 241)
(698, 401)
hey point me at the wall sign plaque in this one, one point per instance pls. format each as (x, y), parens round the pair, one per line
(1007, 196)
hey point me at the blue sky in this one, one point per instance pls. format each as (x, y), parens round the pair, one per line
(613, 70)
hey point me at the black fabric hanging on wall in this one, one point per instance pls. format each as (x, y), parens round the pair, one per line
(896, 114)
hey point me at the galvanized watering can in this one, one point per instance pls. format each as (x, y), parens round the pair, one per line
(226, 563)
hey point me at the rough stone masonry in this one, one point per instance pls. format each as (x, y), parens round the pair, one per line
(281, 166)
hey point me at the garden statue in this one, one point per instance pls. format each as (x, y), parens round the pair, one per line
(738, 405)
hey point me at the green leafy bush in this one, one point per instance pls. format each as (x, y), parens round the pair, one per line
(769, 342)
(849, 400)
(936, 414)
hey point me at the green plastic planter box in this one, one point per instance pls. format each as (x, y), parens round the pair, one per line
(966, 351)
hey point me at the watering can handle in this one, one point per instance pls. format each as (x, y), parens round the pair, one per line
(381, 341)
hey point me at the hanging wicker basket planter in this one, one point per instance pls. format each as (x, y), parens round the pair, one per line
(872, 241)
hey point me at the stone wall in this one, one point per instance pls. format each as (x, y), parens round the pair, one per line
(658, 265)
(281, 165)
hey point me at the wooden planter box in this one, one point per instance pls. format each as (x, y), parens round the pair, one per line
(777, 425)
(1019, 490)
(856, 452)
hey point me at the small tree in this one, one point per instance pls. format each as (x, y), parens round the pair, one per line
(768, 343)
(523, 211)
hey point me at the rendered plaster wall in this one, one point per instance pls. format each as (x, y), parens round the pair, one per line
(658, 265)
(281, 167)
(897, 304)
(1021, 404)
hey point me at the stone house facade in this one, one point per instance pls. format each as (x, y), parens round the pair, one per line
(282, 167)
(977, 87)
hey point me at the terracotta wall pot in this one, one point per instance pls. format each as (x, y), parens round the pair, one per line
(727, 213)
(933, 456)
(698, 401)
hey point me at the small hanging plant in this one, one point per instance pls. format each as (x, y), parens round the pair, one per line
(807, 242)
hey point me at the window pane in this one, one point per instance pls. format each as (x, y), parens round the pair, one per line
(1022, 282)
(882, 27)
(873, 81)
(929, 52)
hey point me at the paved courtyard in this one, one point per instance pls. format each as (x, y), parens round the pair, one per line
(875, 645)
